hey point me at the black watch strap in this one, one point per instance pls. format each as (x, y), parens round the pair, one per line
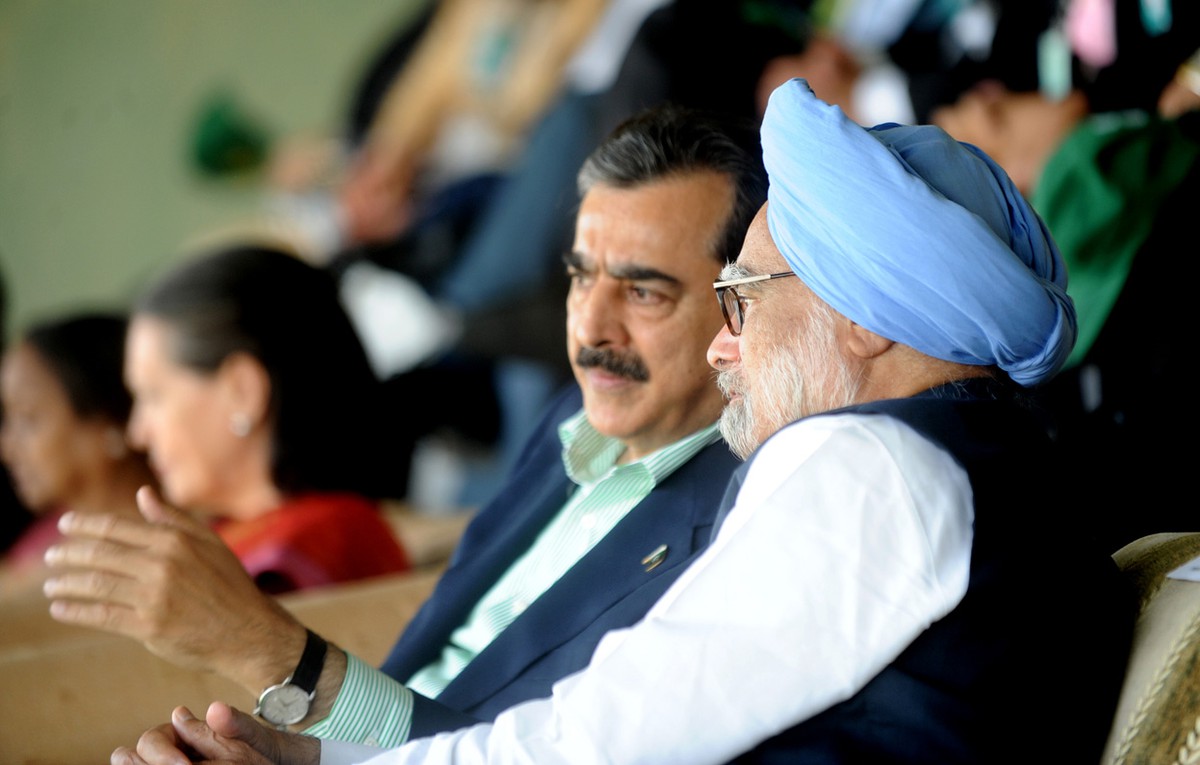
(312, 661)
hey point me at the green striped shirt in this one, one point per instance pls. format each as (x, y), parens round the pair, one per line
(373, 709)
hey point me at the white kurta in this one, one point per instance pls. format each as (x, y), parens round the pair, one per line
(850, 536)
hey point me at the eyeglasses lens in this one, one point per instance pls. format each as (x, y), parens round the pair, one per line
(731, 307)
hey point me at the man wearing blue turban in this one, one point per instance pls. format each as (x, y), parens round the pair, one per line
(886, 585)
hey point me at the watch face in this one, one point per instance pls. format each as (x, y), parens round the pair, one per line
(283, 704)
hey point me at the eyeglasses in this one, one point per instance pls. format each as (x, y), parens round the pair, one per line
(732, 306)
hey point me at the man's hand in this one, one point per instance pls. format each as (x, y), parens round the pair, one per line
(225, 737)
(375, 197)
(172, 584)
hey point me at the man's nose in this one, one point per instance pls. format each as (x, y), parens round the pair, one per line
(724, 350)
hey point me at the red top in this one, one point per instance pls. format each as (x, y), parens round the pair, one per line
(29, 548)
(313, 540)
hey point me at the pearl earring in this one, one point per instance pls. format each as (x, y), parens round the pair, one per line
(239, 424)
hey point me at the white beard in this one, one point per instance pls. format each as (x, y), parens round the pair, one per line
(802, 376)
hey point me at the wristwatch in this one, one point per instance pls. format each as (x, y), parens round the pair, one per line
(287, 703)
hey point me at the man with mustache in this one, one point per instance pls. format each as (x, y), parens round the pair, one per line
(614, 494)
(886, 583)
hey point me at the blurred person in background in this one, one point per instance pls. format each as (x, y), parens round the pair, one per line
(14, 516)
(1115, 179)
(63, 435)
(438, 115)
(1182, 93)
(897, 60)
(256, 404)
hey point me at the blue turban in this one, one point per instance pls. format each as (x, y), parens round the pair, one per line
(915, 236)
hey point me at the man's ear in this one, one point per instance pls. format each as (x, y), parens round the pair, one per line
(246, 385)
(864, 343)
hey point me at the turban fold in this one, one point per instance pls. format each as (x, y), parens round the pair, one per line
(917, 237)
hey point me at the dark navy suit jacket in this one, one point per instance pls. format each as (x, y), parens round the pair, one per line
(608, 589)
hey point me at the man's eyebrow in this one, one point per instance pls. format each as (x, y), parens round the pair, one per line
(630, 272)
(635, 273)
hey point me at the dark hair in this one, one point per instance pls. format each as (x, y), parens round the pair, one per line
(86, 352)
(671, 140)
(286, 314)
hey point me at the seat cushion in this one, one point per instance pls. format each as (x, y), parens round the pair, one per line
(1158, 715)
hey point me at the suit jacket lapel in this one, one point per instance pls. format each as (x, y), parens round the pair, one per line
(610, 572)
(494, 539)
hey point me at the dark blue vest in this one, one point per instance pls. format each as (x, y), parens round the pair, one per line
(1028, 667)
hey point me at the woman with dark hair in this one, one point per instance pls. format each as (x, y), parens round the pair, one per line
(14, 516)
(63, 434)
(255, 400)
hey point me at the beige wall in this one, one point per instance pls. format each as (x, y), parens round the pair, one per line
(98, 99)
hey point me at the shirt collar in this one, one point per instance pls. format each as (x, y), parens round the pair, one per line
(589, 455)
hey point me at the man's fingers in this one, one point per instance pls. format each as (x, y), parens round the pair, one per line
(105, 616)
(236, 724)
(232, 722)
(156, 511)
(123, 755)
(95, 554)
(128, 531)
(274, 746)
(238, 740)
(101, 597)
(90, 570)
(187, 734)
(226, 735)
(132, 549)
(125, 531)
(157, 746)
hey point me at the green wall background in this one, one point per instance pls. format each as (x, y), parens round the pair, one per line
(98, 102)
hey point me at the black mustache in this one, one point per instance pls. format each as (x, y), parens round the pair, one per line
(630, 367)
